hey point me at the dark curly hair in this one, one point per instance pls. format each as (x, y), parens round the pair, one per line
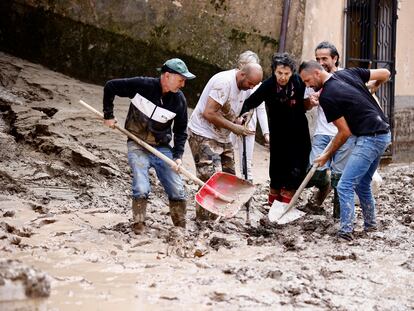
(332, 50)
(283, 59)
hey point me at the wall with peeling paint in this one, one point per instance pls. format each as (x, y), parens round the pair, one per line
(405, 45)
(213, 31)
(324, 20)
(98, 40)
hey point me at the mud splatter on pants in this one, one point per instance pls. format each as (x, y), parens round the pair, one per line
(211, 156)
(357, 178)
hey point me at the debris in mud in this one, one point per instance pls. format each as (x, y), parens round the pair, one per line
(218, 296)
(351, 256)
(24, 232)
(35, 284)
(327, 274)
(169, 298)
(216, 243)
(122, 227)
(290, 243)
(275, 274)
(409, 264)
(38, 208)
(9, 214)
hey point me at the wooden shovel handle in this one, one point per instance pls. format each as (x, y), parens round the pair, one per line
(303, 184)
(160, 155)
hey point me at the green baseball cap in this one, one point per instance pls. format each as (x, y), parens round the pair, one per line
(176, 65)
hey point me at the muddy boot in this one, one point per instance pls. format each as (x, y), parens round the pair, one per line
(321, 181)
(178, 210)
(274, 195)
(334, 183)
(314, 204)
(139, 207)
(203, 214)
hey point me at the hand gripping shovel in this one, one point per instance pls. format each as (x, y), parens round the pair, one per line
(214, 194)
(283, 213)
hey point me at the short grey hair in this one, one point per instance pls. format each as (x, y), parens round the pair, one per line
(247, 57)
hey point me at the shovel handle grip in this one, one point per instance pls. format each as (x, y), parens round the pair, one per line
(160, 155)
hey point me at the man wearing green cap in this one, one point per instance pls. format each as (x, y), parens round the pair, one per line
(156, 103)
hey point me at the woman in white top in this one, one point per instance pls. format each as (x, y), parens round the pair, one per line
(259, 113)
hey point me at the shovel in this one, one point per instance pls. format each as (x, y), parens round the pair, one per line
(246, 178)
(212, 195)
(283, 213)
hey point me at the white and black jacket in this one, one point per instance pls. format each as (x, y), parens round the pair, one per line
(150, 114)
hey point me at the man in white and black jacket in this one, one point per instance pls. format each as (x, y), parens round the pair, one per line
(158, 109)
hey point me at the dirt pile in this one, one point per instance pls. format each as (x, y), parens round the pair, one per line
(65, 210)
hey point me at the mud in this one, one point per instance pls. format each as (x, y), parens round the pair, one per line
(65, 211)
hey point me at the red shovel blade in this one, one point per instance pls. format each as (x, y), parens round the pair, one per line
(228, 185)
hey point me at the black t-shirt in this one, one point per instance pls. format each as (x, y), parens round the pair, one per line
(346, 95)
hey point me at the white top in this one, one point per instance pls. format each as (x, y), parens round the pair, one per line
(322, 127)
(259, 114)
(222, 88)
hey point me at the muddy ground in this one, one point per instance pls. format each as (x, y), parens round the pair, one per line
(65, 211)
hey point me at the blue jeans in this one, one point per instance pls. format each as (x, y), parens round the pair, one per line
(357, 177)
(141, 160)
(338, 161)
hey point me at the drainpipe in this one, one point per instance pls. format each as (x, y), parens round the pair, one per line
(283, 27)
(344, 35)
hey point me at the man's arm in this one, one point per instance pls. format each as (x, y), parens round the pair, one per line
(340, 138)
(212, 113)
(180, 130)
(117, 87)
(377, 77)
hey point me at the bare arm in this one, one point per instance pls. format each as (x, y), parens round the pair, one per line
(212, 113)
(377, 77)
(340, 138)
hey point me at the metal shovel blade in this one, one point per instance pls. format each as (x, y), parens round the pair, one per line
(280, 214)
(228, 185)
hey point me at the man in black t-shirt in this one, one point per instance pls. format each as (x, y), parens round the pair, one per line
(349, 104)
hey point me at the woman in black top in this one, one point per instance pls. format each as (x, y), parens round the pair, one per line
(289, 133)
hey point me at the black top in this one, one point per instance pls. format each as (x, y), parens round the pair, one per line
(151, 122)
(288, 126)
(346, 95)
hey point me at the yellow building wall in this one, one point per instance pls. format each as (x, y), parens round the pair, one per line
(324, 20)
(404, 80)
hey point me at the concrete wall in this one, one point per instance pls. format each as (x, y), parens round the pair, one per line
(212, 31)
(404, 83)
(324, 20)
(99, 40)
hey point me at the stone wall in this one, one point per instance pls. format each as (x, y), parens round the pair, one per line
(98, 40)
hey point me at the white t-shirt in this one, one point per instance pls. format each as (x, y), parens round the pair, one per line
(322, 127)
(222, 88)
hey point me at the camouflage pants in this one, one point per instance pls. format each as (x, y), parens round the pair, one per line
(211, 156)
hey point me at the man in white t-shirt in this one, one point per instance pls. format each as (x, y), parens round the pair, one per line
(214, 118)
(327, 55)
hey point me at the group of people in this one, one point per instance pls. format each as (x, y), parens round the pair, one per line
(351, 131)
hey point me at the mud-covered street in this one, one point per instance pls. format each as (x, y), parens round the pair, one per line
(65, 238)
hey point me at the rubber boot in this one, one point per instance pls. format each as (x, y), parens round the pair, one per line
(274, 195)
(321, 181)
(287, 195)
(178, 209)
(139, 208)
(334, 183)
